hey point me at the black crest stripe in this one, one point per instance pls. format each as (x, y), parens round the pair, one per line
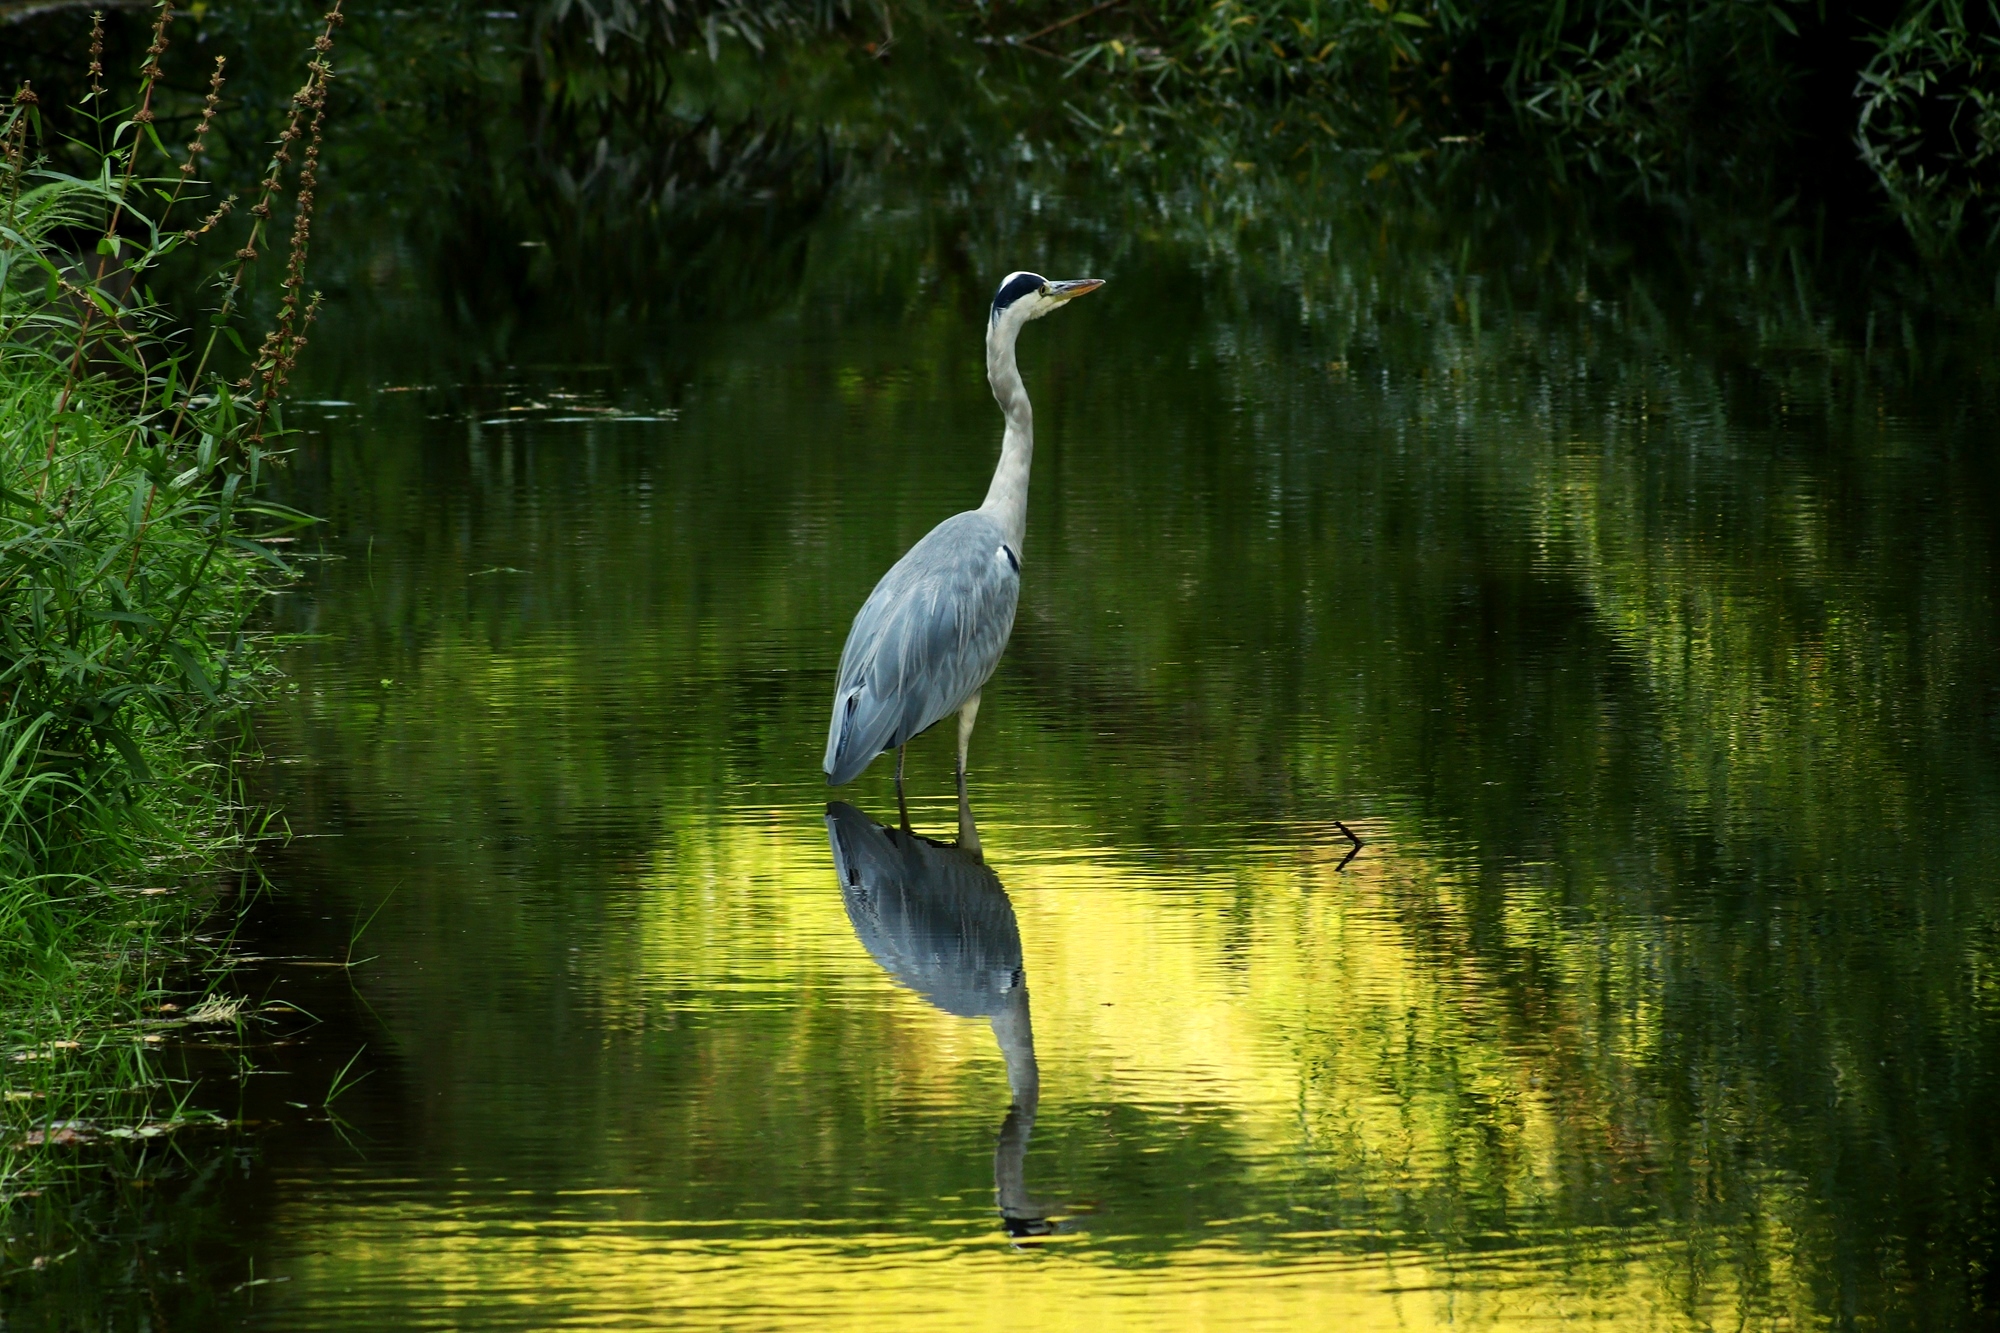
(1015, 290)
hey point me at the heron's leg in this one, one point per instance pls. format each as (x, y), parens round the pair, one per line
(968, 832)
(902, 806)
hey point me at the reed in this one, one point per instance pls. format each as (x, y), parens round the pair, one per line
(136, 553)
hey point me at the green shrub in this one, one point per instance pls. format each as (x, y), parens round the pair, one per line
(1647, 89)
(135, 555)
(1609, 75)
(1930, 119)
(133, 550)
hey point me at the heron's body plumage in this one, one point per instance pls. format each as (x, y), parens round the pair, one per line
(925, 641)
(930, 634)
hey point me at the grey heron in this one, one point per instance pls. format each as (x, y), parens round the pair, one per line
(936, 919)
(925, 642)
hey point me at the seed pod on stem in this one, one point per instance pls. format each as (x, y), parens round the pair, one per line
(198, 145)
(310, 97)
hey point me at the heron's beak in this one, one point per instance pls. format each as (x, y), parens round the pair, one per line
(1063, 291)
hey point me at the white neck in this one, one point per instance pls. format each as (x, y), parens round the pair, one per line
(1007, 497)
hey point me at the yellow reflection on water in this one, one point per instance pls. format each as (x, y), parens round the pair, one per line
(1403, 1146)
(623, 1276)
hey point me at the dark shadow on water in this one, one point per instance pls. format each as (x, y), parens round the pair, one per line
(937, 920)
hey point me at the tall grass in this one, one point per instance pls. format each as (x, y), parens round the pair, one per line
(134, 557)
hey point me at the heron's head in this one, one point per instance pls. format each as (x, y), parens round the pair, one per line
(1026, 296)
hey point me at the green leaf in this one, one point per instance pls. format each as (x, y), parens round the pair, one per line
(153, 135)
(192, 669)
(261, 550)
(291, 518)
(125, 357)
(1413, 20)
(126, 617)
(128, 749)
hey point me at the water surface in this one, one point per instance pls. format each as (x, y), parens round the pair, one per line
(1647, 647)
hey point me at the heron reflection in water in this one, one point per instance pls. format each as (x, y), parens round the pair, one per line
(937, 920)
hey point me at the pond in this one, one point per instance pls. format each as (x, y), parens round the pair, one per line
(1635, 614)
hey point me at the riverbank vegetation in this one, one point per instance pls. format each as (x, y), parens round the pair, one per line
(1885, 113)
(1898, 99)
(136, 553)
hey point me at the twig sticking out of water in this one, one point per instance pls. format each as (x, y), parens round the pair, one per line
(1352, 852)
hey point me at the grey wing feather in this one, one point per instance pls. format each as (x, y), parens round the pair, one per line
(924, 642)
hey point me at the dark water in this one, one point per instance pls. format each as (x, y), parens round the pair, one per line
(1640, 620)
